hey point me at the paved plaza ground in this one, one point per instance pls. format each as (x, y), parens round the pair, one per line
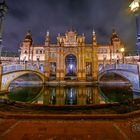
(59, 129)
(25, 122)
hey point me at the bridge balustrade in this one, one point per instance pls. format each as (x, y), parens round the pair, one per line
(127, 67)
(18, 67)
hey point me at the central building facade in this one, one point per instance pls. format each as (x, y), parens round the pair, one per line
(70, 57)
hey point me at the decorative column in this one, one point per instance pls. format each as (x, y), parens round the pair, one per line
(47, 56)
(58, 64)
(0, 76)
(94, 58)
(79, 74)
(47, 63)
(83, 64)
(62, 64)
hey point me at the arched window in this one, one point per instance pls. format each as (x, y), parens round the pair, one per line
(41, 51)
(41, 67)
(36, 51)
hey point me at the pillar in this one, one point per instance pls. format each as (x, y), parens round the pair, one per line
(47, 64)
(0, 77)
(83, 64)
(94, 64)
(95, 68)
(61, 64)
(79, 70)
(58, 64)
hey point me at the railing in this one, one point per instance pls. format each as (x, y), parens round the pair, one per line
(127, 67)
(18, 67)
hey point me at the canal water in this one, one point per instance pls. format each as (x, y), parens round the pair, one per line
(71, 95)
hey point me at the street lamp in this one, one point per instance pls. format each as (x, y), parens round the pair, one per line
(3, 11)
(122, 51)
(134, 7)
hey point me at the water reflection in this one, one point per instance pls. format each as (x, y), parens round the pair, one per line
(117, 94)
(71, 95)
(24, 94)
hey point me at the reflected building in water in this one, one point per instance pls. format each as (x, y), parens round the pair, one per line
(70, 96)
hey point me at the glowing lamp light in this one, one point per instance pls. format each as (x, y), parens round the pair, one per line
(71, 66)
(134, 6)
(122, 50)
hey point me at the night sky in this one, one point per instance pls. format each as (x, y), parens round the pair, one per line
(58, 16)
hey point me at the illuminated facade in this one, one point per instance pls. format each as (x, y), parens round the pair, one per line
(71, 57)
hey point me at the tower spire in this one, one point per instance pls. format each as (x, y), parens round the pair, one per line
(28, 37)
(114, 36)
(94, 40)
(47, 39)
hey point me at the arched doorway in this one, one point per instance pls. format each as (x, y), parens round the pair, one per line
(70, 62)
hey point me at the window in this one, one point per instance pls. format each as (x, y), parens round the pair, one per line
(37, 59)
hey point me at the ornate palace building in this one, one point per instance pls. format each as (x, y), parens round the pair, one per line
(71, 57)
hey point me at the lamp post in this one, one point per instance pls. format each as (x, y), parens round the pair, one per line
(3, 11)
(122, 51)
(134, 7)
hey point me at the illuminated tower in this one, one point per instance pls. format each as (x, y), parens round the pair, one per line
(116, 48)
(115, 42)
(26, 47)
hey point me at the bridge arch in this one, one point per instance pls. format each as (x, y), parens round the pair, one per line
(132, 77)
(11, 76)
(112, 72)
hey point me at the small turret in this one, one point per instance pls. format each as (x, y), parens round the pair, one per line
(47, 39)
(114, 37)
(115, 43)
(28, 37)
(94, 40)
(26, 46)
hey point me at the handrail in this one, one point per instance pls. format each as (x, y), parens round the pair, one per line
(127, 67)
(18, 67)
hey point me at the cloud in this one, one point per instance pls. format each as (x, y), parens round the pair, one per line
(60, 15)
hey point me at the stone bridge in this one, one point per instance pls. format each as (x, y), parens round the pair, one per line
(8, 73)
(12, 72)
(128, 71)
